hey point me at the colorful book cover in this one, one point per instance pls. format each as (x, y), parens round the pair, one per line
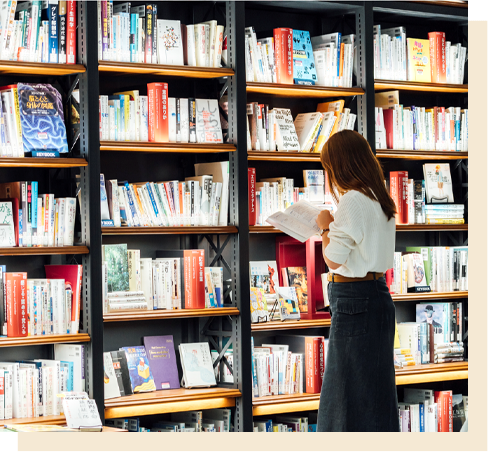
(160, 351)
(297, 277)
(259, 306)
(170, 45)
(141, 377)
(288, 303)
(121, 369)
(418, 60)
(53, 12)
(197, 364)
(208, 129)
(42, 118)
(264, 275)
(438, 183)
(304, 72)
(118, 267)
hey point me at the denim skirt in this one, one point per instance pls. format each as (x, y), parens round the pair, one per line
(358, 391)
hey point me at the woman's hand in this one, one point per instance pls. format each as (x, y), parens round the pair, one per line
(324, 219)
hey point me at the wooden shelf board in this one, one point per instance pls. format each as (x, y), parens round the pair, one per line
(431, 227)
(419, 155)
(170, 401)
(419, 86)
(46, 420)
(46, 339)
(37, 162)
(265, 406)
(429, 296)
(276, 89)
(43, 250)
(290, 325)
(156, 230)
(270, 156)
(128, 316)
(264, 230)
(114, 67)
(27, 68)
(185, 148)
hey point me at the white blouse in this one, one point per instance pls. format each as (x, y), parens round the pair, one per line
(362, 240)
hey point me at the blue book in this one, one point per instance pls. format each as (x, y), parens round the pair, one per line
(424, 343)
(69, 366)
(132, 206)
(120, 120)
(254, 371)
(34, 194)
(52, 15)
(140, 374)
(45, 154)
(422, 417)
(42, 118)
(304, 72)
(152, 198)
(134, 27)
(312, 427)
(20, 228)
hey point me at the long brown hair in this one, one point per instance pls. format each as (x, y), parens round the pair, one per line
(351, 165)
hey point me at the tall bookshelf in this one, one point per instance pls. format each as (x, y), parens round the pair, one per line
(235, 245)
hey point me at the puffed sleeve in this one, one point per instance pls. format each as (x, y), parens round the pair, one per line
(347, 229)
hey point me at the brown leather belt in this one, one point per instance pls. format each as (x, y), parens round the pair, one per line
(344, 279)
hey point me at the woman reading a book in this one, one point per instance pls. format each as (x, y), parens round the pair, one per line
(358, 390)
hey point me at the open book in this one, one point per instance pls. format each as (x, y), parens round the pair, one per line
(298, 221)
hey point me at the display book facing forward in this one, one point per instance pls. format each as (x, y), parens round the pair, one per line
(31, 388)
(430, 59)
(176, 279)
(155, 117)
(40, 307)
(51, 36)
(139, 34)
(29, 218)
(200, 200)
(275, 130)
(291, 365)
(293, 57)
(152, 366)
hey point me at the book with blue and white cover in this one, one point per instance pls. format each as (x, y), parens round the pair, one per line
(304, 72)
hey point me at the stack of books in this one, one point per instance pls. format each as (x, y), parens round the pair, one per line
(282, 423)
(431, 60)
(137, 34)
(174, 280)
(38, 31)
(31, 388)
(30, 219)
(128, 116)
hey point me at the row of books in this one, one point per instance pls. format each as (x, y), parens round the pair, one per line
(275, 130)
(429, 269)
(38, 31)
(421, 129)
(293, 57)
(137, 34)
(286, 423)
(293, 365)
(426, 410)
(176, 279)
(201, 200)
(212, 420)
(152, 366)
(31, 388)
(38, 307)
(128, 116)
(276, 194)
(432, 60)
(429, 201)
(28, 218)
(25, 109)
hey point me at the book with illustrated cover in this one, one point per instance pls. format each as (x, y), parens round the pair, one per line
(42, 118)
(315, 181)
(160, 351)
(297, 277)
(207, 117)
(259, 305)
(264, 275)
(288, 303)
(118, 267)
(438, 183)
(141, 377)
(418, 60)
(304, 72)
(170, 45)
(7, 229)
(121, 369)
(197, 365)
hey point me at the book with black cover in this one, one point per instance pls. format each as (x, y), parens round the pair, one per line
(122, 372)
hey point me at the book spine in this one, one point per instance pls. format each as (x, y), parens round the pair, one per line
(53, 31)
(252, 196)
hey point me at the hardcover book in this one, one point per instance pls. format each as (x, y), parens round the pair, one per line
(121, 369)
(160, 351)
(141, 377)
(197, 365)
(42, 118)
(118, 267)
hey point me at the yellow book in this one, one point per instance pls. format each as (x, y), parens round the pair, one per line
(418, 60)
(396, 343)
(444, 221)
(336, 106)
(17, 120)
(133, 95)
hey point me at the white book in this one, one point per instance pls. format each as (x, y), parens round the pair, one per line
(76, 354)
(111, 387)
(105, 213)
(146, 281)
(190, 45)
(172, 119)
(306, 127)
(219, 39)
(143, 128)
(200, 44)
(197, 365)
(211, 43)
(287, 139)
(68, 229)
(54, 384)
(170, 45)
(184, 120)
(208, 127)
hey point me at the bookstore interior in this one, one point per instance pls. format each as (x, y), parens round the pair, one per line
(160, 176)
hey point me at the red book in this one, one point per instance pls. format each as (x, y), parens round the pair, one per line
(444, 410)
(389, 126)
(17, 320)
(313, 381)
(398, 192)
(322, 360)
(157, 94)
(283, 38)
(72, 275)
(194, 271)
(71, 32)
(389, 279)
(251, 174)
(437, 44)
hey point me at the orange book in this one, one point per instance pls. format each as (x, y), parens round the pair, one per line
(336, 106)
(341, 62)
(437, 44)
(181, 200)
(194, 274)
(313, 382)
(139, 203)
(16, 302)
(158, 123)
(283, 38)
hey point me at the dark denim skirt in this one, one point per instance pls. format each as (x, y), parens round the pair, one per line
(359, 391)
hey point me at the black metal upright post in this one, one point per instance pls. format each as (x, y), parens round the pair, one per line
(239, 214)
(90, 210)
(365, 76)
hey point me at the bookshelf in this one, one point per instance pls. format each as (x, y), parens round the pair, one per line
(237, 243)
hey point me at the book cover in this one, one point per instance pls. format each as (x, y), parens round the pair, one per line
(158, 121)
(160, 351)
(170, 45)
(288, 303)
(283, 38)
(259, 307)
(53, 13)
(438, 183)
(121, 369)
(208, 128)
(304, 72)
(251, 172)
(437, 50)
(297, 277)
(458, 414)
(197, 365)
(118, 267)
(7, 225)
(71, 33)
(141, 377)
(110, 385)
(418, 56)
(264, 275)
(42, 118)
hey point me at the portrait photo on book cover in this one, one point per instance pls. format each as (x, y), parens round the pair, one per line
(431, 313)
